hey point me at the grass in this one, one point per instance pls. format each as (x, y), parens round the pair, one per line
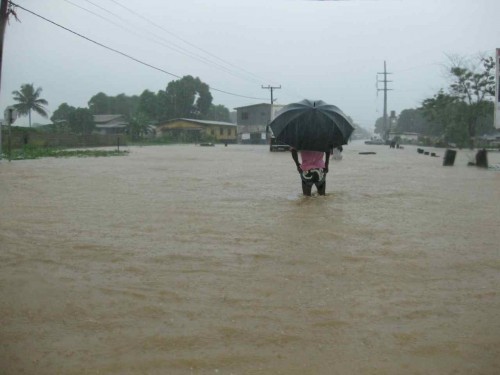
(43, 152)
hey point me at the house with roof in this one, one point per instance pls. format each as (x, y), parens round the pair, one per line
(253, 120)
(110, 124)
(199, 130)
(491, 140)
(405, 137)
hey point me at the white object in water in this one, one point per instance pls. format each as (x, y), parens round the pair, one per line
(336, 154)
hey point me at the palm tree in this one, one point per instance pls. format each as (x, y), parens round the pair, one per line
(29, 99)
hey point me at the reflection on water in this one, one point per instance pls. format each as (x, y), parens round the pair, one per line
(185, 259)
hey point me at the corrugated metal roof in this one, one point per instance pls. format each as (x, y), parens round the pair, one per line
(261, 104)
(201, 122)
(106, 118)
(252, 105)
(110, 126)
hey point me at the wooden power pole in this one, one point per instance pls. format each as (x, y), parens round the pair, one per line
(271, 88)
(4, 14)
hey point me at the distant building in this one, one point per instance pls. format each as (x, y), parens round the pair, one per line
(405, 137)
(110, 124)
(219, 131)
(253, 120)
(491, 140)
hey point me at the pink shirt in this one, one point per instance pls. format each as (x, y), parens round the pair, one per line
(311, 160)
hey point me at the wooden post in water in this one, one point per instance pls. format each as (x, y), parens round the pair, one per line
(482, 158)
(449, 157)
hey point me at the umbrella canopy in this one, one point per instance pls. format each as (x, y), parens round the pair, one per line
(311, 125)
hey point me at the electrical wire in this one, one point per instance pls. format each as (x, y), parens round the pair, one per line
(136, 14)
(161, 41)
(183, 40)
(124, 54)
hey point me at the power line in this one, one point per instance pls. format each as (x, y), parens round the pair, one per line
(136, 14)
(163, 42)
(124, 54)
(183, 40)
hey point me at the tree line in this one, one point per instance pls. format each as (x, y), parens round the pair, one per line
(187, 97)
(458, 114)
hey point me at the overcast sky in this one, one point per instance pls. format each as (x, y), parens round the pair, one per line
(328, 50)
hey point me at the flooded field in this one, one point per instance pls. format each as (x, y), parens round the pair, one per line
(186, 259)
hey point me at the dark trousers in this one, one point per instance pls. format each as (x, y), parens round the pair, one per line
(313, 178)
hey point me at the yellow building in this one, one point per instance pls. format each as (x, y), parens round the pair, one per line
(199, 130)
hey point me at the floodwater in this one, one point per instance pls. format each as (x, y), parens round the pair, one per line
(207, 260)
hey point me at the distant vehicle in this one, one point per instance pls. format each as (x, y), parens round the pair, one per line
(277, 146)
(375, 142)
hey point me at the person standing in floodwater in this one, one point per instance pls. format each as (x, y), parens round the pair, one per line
(312, 170)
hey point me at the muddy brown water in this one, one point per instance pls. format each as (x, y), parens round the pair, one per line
(202, 260)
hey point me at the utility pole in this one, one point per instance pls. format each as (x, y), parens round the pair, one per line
(3, 23)
(271, 88)
(5, 11)
(10, 116)
(385, 89)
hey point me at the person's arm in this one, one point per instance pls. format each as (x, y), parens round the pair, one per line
(295, 158)
(327, 161)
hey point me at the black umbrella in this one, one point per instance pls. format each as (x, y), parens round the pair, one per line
(311, 125)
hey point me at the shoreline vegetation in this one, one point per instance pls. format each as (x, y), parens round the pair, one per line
(30, 153)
